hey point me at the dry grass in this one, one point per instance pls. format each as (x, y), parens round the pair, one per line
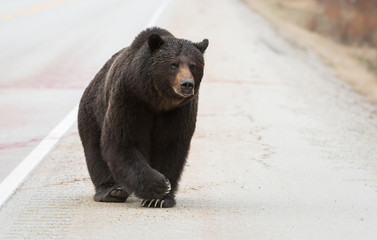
(342, 34)
(349, 21)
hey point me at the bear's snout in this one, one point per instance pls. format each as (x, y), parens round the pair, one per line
(187, 86)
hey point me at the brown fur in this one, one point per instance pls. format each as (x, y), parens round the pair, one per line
(134, 121)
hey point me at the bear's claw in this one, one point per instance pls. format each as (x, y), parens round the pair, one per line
(166, 202)
(158, 203)
(169, 186)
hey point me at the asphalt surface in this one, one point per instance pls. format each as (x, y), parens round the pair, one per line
(283, 149)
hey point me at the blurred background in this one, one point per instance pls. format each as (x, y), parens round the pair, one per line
(343, 32)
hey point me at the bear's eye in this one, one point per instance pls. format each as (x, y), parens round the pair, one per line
(192, 67)
(174, 66)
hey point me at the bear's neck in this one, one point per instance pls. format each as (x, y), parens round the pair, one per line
(169, 104)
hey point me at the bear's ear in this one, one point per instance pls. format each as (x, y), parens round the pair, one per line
(155, 42)
(202, 46)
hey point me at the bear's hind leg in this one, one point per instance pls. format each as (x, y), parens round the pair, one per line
(107, 190)
(110, 193)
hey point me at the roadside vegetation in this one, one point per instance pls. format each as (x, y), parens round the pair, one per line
(343, 32)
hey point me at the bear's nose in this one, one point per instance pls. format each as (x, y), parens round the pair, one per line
(187, 85)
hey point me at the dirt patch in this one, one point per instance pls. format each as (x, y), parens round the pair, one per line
(354, 64)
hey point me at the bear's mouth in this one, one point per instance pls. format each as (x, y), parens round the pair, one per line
(184, 94)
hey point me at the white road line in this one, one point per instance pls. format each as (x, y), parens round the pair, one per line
(10, 184)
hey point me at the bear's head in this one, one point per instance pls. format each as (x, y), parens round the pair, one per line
(177, 67)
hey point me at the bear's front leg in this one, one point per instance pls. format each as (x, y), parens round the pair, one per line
(169, 159)
(132, 173)
(171, 139)
(170, 164)
(125, 144)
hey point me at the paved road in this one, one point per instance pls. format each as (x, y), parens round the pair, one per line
(283, 149)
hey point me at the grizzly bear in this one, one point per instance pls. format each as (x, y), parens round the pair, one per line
(137, 117)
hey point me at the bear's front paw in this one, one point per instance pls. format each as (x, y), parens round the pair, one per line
(154, 188)
(158, 203)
